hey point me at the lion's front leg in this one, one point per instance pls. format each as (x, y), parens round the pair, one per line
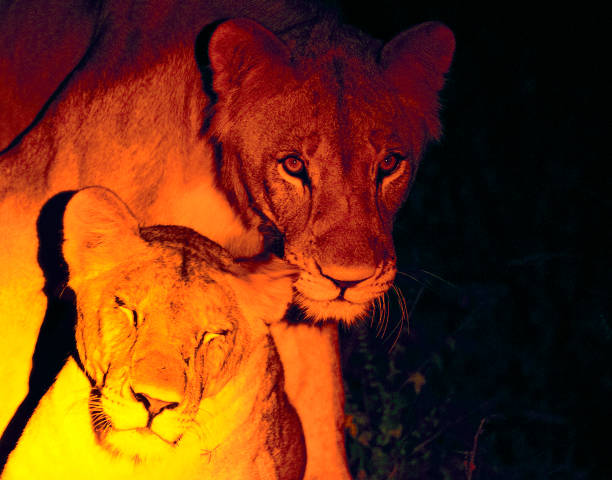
(313, 382)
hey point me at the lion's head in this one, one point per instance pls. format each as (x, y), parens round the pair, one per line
(324, 145)
(170, 330)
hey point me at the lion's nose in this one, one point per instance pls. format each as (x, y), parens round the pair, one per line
(347, 277)
(154, 405)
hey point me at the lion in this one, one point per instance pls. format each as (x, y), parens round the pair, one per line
(304, 143)
(176, 374)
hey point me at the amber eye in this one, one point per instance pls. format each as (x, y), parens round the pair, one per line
(210, 336)
(130, 314)
(389, 164)
(294, 166)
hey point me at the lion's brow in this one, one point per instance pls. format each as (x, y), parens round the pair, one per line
(193, 247)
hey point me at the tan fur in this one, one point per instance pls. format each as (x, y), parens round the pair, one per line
(131, 119)
(184, 380)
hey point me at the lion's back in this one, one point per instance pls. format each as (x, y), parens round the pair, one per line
(44, 46)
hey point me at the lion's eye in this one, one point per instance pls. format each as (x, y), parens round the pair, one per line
(131, 315)
(210, 336)
(389, 164)
(294, 166)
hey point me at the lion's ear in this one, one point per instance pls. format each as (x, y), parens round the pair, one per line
(265, 289)
(415, 61)
(241, 50)
(99, 232)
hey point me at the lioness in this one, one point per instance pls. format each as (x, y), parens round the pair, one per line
(176, 375)
(308, 141)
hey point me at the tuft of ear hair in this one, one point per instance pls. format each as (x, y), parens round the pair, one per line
(415, 61)
(100, 232)
(266, 288)
(430, 45)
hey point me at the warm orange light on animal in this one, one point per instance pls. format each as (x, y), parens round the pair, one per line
(131, 117)
(177, 374)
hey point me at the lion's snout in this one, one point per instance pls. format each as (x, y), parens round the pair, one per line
(154, 406)
(158, 381)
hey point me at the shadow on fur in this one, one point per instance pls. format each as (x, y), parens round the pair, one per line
(56, 337)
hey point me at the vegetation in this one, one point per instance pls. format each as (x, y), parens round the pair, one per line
(504, 367)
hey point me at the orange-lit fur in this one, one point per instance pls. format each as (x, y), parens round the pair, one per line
(165, 313)
(131, 119)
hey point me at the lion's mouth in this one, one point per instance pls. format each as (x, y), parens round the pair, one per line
(130, 441)
(147, 432)
(321, 299)
(103, 427)
(335, 309)
(340, 296)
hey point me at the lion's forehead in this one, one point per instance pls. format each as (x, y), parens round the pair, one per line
(346, 120)
(178, 297)
(172, 267)
(162, 290)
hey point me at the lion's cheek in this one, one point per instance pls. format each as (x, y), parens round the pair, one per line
(124, 414)
(213, 372)
(391, 198)
(99, 356)
(286, 205)
(91, 355)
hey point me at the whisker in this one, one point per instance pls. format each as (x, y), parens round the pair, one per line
(386, 320)
(404, 316)
(427, 282)
(399, 302)
(407, 314)
(402, 303)
(77, 402)
(412, 277)
(376, 309)
(416, 300)
(387, 310)
(380, 305)
(383, 309)
(99, 419)
(399, 329)
(100, 422)
(438, 277)
(197, 430)
(382, 315)
(200, 428)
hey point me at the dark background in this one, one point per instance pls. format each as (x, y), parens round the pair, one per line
(504, 248)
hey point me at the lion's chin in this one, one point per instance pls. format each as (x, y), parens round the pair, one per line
(141, 445)
(339, 310)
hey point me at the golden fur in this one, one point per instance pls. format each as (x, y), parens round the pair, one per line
(355, 113)
(180, 377)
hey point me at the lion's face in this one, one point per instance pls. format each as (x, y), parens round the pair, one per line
(325, 149)
(155, 346)
(159, 329)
